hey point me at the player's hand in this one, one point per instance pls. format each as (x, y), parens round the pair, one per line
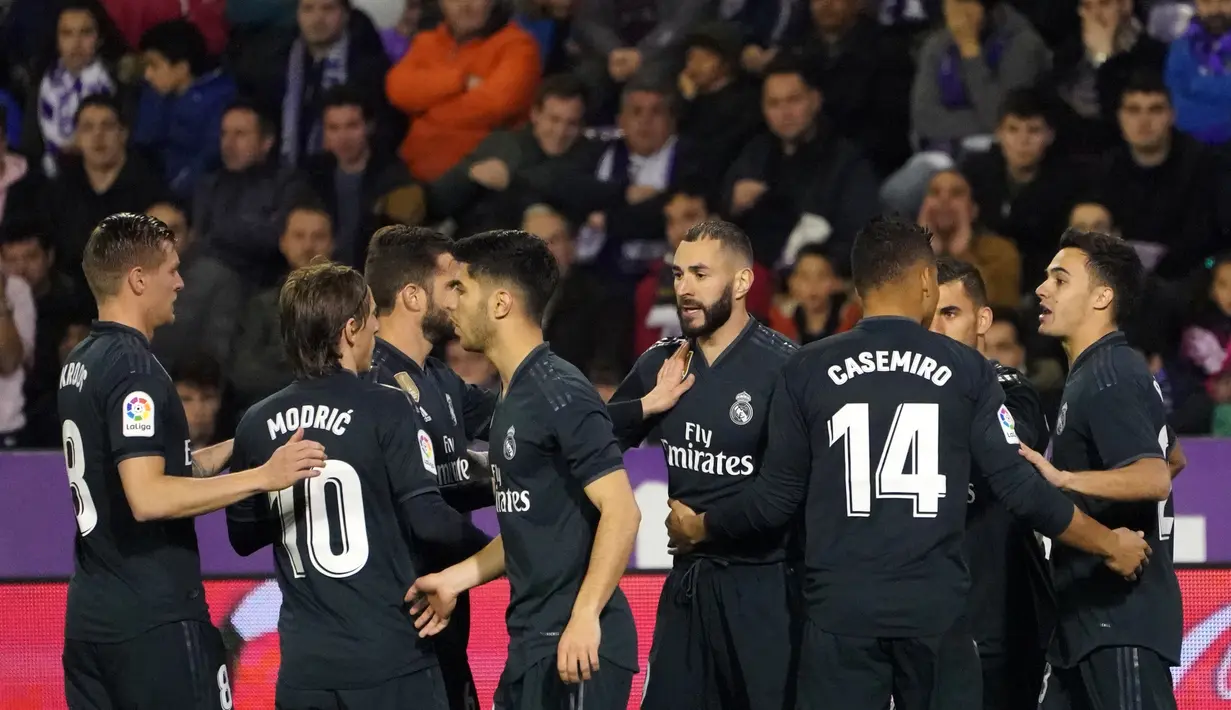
(1059, 479)
(432, 602)
(292, 462)
(577, 654)
(1130, 554)
(685, 529)
(673, 381)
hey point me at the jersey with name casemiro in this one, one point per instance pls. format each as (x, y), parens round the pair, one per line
(344, 557)
(875, 431)
(1009, 578)
(116, 403)
(551, 438)
(453, 414)
(714, 437)
(1111, 415)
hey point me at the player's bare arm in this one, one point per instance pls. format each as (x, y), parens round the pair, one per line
(619, 520)
(1147, 479)
(1124, 551)
(433, 596)
(211, 460)
(1176, 460)
(153, 495)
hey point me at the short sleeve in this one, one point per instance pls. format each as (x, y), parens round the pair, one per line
(1121, 426)
(584, 433)
(408, 456)
(138, 410)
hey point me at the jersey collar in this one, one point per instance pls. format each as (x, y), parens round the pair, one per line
(396, 360)
(1112, 339)
(108, 326)
(743, 335)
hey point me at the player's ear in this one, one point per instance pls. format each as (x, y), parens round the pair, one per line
(350, 331)
(501, 303)
(136, 280)
(984, 322)
(407, 296)
(743, 282)
(1103, 297)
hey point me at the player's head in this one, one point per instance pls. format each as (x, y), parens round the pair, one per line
(713, 274)
(893, 267)
(1093, 283)
(131, 259)
(504, 280)
(962, 312)
(328, 320)
(409, 270)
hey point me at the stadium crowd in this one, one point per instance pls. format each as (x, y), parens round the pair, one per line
(268, 133)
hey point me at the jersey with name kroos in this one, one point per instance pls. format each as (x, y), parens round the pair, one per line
(875, 431)
(452, 414)
(344, 558)
(1112, 414)
(116, 403)
(714, 437)
(551, 438)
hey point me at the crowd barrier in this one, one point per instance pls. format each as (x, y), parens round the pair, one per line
(36, 533)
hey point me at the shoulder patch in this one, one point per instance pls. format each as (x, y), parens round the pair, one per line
(1007, 426)
(138, 415)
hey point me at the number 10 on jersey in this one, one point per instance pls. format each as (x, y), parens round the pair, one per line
(914, 440)
(338, 484)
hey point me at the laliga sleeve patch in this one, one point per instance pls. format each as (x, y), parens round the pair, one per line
(137, 418)
(1007, 425)
(427, 452)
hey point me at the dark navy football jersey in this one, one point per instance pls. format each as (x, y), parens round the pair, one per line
(875, 431)
(453, 414)
(344, 556)
(1111, 415)
(1010, 586)
(116, 402)
(551, 437)
(714, 437)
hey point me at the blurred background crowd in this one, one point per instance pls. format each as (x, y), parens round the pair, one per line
(268, 132)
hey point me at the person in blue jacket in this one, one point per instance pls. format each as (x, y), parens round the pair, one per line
(1198, 76)
(179, 116)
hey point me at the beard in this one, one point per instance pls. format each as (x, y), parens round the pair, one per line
(437, 328)
(713, 316)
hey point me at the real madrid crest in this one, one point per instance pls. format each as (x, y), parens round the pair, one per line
(510, 444)
(1064, 412)
(452, 414)
(741, 410)
(408, 385)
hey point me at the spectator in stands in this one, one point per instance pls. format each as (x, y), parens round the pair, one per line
(966, 68)
(362, 190)
(818, 305)
(258, 365)
(1003, 342)
(1024, 189)
(181, 106)
(208, 306)
(78, 72)
(950, 212)
(767, 27)
(473, 74)
(26, 253)
(21, 183)
(581, 299)
(1092, 217)
(237, 210)
(105, 179)
(618, 39)
(396, 39)
(134, 19)
(655, 315)
(198, 381)
(720, 104)
(550, 22)
(1090, 72)
(336, 45)
(1206, 344)
(800, 182)
(1160, 185)
(1199, 74)
(491, 186)
(17, 326)
(863, 73)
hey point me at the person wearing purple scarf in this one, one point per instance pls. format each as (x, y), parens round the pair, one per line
(1198, 75)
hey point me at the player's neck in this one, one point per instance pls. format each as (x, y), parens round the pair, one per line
(981, 345)
(713, 345)
(877, 304)
(125, 314)
(1084, 337)
(407, 338)
(509, 350)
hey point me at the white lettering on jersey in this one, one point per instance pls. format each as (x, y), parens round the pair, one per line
(73, 375)
(309, 416)
(138, 415)
(890, 361)
(698, 459)
(508, 500)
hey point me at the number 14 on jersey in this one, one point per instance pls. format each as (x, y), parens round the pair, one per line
(913, 441)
